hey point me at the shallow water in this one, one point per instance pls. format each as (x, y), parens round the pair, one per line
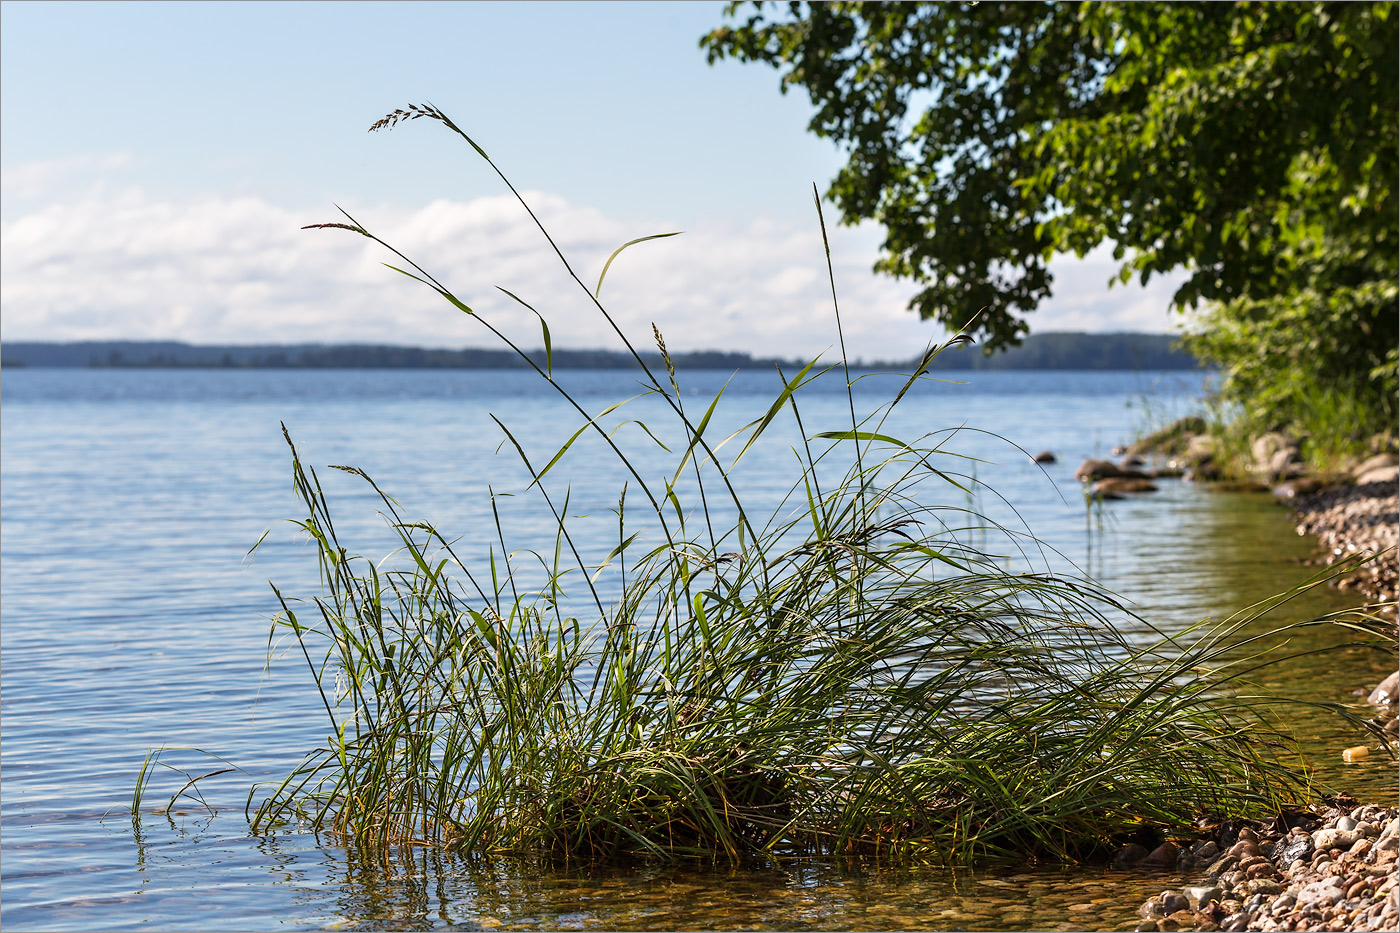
(134, 618)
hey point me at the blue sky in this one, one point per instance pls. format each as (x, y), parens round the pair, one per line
(159, 159)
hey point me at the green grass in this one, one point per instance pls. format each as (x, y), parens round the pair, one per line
(843, 674)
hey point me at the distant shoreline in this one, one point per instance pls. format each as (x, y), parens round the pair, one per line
(1052, 351)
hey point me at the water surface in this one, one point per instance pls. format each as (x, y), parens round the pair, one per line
(134, 618)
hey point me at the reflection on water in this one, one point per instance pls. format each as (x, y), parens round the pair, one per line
(132, 620)
(323, 885)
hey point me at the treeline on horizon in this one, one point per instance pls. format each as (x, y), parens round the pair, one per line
(1121, 351)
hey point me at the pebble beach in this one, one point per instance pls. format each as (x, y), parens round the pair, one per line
(1333, 866)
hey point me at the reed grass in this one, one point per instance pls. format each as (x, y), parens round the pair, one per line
(842, 674)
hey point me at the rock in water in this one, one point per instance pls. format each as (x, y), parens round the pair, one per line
(1091, 470)
(1121, 484)
(1387, 692)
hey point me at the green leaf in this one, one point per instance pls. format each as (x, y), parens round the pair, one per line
(655, 236)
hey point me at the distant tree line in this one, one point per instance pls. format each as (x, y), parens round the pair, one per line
(1038, 351)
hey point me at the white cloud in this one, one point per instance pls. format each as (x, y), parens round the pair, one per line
(1084, 301)
(124, 264)
(29, 180)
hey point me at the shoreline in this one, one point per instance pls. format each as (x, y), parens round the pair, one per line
(1332, 866)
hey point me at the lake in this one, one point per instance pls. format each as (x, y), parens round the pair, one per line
(134, 617)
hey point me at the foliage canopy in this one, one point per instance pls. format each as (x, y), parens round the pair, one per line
(1252, 144)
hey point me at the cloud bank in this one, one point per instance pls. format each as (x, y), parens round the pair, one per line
(112, 264)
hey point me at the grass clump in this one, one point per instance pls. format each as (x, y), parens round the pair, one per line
(841, 675)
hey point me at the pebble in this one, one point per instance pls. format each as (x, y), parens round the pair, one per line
(1334, 870)
(1351, 520)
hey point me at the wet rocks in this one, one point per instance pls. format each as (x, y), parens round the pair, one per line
(1091, 470)
(1356, 520)
(1335, 869)
(1387, 692)
(1277, 456)
(1123, 484)
(1382, 468)
(1170, 440)
(1044, 456)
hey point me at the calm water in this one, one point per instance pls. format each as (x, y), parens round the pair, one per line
(133, 618)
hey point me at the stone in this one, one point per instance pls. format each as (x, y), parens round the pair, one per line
(1285, 464)
(1164, 856)
(1262, 869)
(1389, 475)
(1130, 854)
(1291, 849)
(1334, 838)
(1387, 692)
(1264, 886)
(1044, 456)
(1355, 753)
(1201, 897)
(1121, 484)
(1199, 448)
(1391, 830)
(1346, 823)
(1172, 902)
(1267, 448)
(1221, 865)
(1169, 439)
(1236, 924)
(1321, 893)
(1378, 462)
(1091, 470)
(1205, 851)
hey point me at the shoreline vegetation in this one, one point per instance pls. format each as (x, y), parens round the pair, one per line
(843, 675)
(1065, 351)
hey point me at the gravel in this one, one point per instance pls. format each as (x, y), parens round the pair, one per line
(1328, 868)
(1356, 520)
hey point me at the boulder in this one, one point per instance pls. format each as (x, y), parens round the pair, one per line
(1169, 440)
(1130, 854)
(1387, 692)
(1376, 463)
(1164, 856)
(1091, 470)
(1044, 456)
(1199, 448)
(1285, 464)
(1121, 484)
(1273, 448)
(1384, 474)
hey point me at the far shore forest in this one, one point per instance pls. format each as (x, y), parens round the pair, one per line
(1056, 351)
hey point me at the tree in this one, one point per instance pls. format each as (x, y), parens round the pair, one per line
(1252, 144)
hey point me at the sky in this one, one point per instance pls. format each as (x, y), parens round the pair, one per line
(160, 159)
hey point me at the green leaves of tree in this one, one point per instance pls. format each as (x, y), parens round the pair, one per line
(1254, 145)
